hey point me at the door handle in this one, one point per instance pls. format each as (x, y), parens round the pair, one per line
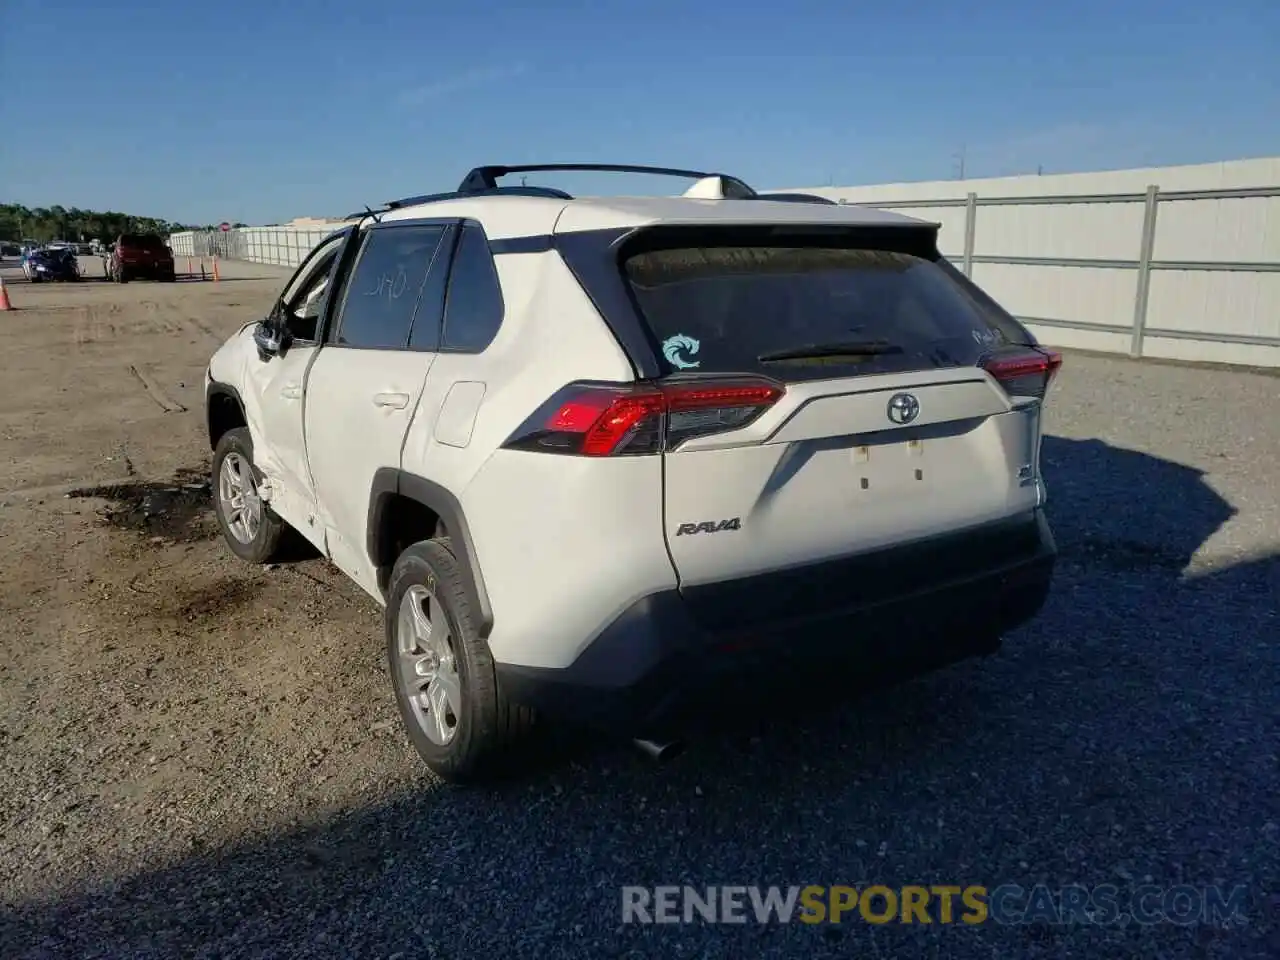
(397, 401)
(291, 391)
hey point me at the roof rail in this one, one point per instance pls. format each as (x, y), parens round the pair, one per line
(454, 195)
(484, 179)
(482, 182)
(493, 191)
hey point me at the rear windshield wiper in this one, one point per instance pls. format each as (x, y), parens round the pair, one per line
(843, 348)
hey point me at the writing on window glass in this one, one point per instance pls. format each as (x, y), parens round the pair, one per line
(391, 284)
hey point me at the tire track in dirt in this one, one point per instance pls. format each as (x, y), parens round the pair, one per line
(200, 327)
(155, 391)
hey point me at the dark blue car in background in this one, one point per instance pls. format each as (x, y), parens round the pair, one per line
(51, 264)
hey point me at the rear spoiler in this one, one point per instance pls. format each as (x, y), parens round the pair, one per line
(797, 198)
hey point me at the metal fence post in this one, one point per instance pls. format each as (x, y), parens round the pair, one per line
(1143, 292)
(970, 226)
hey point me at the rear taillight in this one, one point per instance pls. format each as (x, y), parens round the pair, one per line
(1025, 374)
(614, 420)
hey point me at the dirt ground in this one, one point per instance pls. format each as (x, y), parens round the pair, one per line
(141, 665)
(200, 758)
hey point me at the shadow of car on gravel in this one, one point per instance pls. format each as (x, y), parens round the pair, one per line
(1122, 734)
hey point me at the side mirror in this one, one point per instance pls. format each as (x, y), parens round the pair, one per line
(269, 340)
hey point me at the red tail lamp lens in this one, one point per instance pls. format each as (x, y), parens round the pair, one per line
(605, 420)
(1025, 374)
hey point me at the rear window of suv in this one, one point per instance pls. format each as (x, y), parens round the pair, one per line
(727, 308)
(141, 241)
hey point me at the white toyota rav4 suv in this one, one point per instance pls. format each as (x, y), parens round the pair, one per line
(596, 456)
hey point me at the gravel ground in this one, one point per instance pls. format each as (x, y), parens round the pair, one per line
(201, 759)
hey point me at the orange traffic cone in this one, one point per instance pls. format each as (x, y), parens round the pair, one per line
(4, 297)
(215, 267)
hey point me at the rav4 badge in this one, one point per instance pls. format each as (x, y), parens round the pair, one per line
(709, 526)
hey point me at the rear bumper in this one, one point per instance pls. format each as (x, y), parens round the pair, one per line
(905, 609)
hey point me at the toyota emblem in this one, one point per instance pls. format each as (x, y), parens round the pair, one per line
(903, 408)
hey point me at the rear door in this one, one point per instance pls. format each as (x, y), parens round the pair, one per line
(363, 388)
(884, 426)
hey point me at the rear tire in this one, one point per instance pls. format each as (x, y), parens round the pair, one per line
(249, 526)
(443, 673)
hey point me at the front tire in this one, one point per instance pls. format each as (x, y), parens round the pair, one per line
(442, 671)
(250, 527)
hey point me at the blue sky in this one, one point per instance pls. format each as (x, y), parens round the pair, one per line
(239, 110)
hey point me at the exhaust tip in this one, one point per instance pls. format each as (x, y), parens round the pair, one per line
(660, 750)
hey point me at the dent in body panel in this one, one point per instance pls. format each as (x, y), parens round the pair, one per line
(238, 365)
(229, 363)
(247, 378)
(276, 429)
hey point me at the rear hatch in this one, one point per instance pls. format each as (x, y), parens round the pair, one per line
(892, 400)
(143, 250)
(822, 393)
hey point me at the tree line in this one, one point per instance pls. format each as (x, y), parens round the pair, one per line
(80, 226)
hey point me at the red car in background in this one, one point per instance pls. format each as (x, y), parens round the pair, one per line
(140, 255)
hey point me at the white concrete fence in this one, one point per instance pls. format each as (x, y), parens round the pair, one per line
(1178, 263)
(284, 245)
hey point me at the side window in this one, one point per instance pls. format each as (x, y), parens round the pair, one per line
(307, 269)
(473, 309)
(386, 285)
(305, 296)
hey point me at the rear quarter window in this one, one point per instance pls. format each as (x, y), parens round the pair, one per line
(474, 307)
(721, 308)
